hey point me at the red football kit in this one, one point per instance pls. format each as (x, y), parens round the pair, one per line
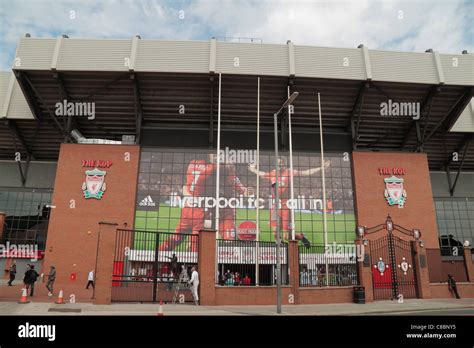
(284, 213)
(283, 184)
(200, 182)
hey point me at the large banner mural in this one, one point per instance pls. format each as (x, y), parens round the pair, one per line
(177, 193)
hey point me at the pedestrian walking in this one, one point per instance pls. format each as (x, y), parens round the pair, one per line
(12, 273)
(194, 283)
(90, 280)
(51, 279)
(452, 286)
(30, 278)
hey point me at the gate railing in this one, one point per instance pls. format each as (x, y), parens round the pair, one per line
(390, 227)
(147, 264)
(249, 263)
(393, 261)
(341, 266)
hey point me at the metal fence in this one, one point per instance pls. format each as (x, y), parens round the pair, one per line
(147, 265)
(249, 263)
(321, 266)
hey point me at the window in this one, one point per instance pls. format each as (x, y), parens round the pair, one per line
(165, 174)
(27, 215)
(455, 218)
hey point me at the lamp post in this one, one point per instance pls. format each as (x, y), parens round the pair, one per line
(277, 198)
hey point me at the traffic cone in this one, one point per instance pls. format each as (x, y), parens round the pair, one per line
(160, 309)
(60, 299)
(24, 296)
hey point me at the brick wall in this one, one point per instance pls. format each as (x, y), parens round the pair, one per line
(250, 295)
(73, 231)
(439, 269)
(2, 225)
(325, 295)
(441, 290)
(372, 207)
(212, 294)
(418, 211)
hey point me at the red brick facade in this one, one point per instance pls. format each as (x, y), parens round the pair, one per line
(2, 224)
(292, 294)
(372, 207)
(74, 223)
(369, 170)
(81, 233)
(7, 264)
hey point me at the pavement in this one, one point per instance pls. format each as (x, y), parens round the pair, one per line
(13, 293)
(408, 307)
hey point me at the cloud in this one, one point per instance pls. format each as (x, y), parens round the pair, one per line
(445, 26)
(397, 25)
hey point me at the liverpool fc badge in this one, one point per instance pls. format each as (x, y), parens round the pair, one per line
(404, 265)
(94, 186)
(381, 266)
(394, 192)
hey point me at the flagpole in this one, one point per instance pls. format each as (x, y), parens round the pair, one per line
(218, 171)
(257, 202)
(292, 195)
(325, 222)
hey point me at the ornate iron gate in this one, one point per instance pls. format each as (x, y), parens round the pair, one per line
(393, 268)
(392, 261)
(143, 267)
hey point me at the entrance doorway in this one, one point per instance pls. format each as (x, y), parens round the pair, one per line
(392, 261)
(144, 270)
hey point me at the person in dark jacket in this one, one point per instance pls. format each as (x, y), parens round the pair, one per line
(452, 286)
(30, 278)
(51, 279)
(26, 276)
(12, 273)
(173, 264)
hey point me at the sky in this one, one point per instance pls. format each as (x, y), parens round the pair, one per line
(410, 25)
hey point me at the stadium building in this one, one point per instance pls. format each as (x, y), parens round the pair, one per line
(117, 154)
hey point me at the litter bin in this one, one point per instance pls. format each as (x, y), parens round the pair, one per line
(359, 294)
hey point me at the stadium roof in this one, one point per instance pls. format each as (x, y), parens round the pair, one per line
(138, 85)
